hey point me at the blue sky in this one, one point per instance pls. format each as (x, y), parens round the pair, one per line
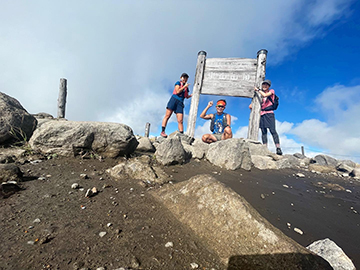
(122, 58)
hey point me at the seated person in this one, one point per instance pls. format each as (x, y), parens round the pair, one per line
(220, 123)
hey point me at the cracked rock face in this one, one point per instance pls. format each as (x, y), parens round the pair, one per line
(16, 124)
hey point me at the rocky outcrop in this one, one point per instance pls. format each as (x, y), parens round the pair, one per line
(69, 138)
(324, 160)
(197, 149)
(331, 252)
(9, 155)
(139, 169)
(145, 145)
(43, 115)
(10, 172)
(228, 224)
(16, 124)
(355, 172)
(170, 151)
(230, 154)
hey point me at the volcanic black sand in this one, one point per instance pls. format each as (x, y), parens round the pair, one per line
(321, 206)
(49, 225)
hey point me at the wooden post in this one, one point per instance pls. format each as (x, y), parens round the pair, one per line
(62, 98)
(254, 121)
(200, 66)
(302, 150)
(147, 129)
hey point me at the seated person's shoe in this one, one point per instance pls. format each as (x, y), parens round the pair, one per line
(278, 151)
(163, 134)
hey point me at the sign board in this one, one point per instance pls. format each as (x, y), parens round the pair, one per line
(229, 77)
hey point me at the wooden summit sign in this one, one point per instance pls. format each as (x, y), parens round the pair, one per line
(229, 76)
(235, 77)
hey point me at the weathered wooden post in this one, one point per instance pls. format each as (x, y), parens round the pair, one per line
(200, 66)
(147, 129)
(62, 98)
(254, 121)
(302, 150)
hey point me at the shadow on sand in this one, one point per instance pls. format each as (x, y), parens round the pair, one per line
(291, 261)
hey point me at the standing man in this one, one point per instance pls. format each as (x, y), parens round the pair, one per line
(267, 119)
(176, 104)
(220, 123)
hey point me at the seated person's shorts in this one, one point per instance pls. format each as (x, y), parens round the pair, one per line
(217, 136)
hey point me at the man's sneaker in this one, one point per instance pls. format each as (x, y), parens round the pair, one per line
(278, 151)
(163, 134)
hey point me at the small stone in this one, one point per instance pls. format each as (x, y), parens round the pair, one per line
(262, 196)
(100, 268)
(89, 193)
(285, 186)
(94, 190)
(288, 224)
(135, 263)
(31, 242)
(348, 191)
(298, 231)
(301, 175)
(169, 244)
(35, 161)
(109, 225)
(42, 178)
(194, 265)
(84, 176)
(37, 220)
(75, 186)
(102, 234)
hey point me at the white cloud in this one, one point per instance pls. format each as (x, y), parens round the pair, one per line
(325, 12)
(340, 135)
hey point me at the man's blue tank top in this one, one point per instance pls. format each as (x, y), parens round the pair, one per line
(218, 123)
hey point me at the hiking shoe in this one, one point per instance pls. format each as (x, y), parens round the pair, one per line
(163, 134)
(278, 151)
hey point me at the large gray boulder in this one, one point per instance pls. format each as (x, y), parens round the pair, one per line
(16, 124)
(263, 162)
(170, 151)
(257, 148)
(355, 172)
(69, 138)
(288, 161)
(331, 252)
(324, 160)
(230, 226)
(145, 145)
(141, 169)
(230, 154)
(197, 149)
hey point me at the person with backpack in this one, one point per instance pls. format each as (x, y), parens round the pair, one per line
(267, 120)
(176, 104)
(220, 123)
